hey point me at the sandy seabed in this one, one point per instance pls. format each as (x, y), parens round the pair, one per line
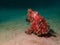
(25, 39)
(14, 35)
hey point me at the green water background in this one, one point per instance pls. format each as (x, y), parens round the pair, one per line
(13, 13)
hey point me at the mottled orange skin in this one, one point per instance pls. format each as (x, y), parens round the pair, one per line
(38, 24)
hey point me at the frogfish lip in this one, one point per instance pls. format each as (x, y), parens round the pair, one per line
(27, 20)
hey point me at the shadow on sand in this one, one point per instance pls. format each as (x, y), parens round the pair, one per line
(50, 34)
